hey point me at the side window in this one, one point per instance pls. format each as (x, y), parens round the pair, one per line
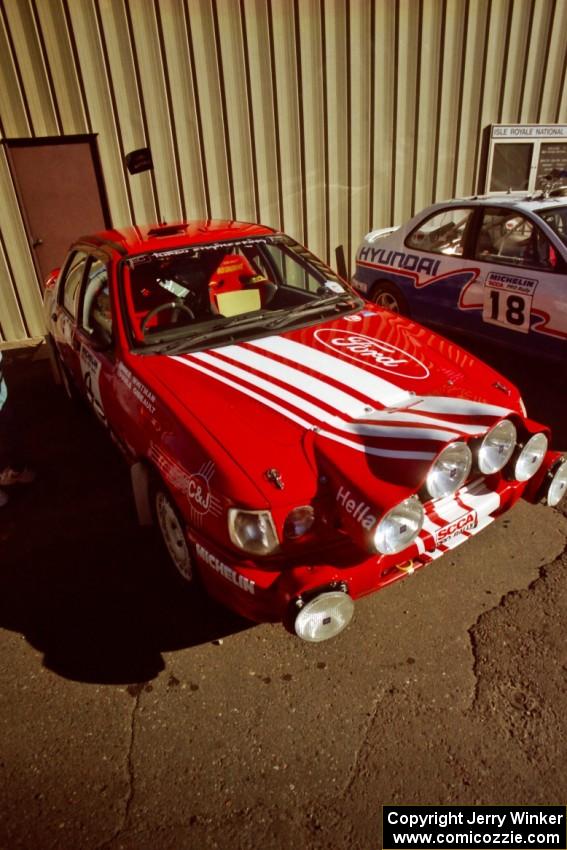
(442, 233)
(97, 316)
(73, 277)
(292, 272)
(506, 236)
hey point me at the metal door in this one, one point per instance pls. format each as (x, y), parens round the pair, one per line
(61, 194)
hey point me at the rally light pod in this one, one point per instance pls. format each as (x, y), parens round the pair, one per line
(530, 457)
(557, 486)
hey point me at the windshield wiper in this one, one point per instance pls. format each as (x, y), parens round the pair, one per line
(216, 330)
(312, 307)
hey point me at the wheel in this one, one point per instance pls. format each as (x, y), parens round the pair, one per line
(172, 531)
(388, 296)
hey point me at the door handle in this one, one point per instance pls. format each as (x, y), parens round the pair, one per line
(37, 242)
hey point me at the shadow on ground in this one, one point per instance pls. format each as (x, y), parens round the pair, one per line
(78, 577)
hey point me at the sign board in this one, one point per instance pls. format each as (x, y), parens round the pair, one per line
(526, 157)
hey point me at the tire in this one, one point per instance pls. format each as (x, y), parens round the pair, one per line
(171, 527)
(389, 297)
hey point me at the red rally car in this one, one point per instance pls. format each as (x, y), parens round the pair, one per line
(296, 446)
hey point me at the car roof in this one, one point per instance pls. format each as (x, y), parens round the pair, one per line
(529, 203)
(141, 238)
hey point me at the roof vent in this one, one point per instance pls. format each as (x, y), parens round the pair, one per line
(165, 229)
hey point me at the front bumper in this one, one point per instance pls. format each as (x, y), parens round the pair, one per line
(265, 592)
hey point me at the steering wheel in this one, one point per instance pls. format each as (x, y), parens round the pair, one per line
(170, 305)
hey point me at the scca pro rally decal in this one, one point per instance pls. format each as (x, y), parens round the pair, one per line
(464, 523)
(195, 486)
(373, 353)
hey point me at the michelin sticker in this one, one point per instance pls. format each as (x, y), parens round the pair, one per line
(508, 301)
(90, 371)
(225, 571)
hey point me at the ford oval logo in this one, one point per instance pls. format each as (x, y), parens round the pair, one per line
(373, 353)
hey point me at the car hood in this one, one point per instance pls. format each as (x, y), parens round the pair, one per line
(366, 397)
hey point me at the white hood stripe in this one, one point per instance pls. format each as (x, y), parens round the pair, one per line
(405, 416)
(360, 447)
(378, 390)
(314, 387)
(296, 379)
(459, 407)
(374, 387)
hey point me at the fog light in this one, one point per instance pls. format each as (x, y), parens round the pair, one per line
(324, 616)
(558, 485)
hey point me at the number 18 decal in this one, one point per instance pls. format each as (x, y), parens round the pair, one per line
(508, 302)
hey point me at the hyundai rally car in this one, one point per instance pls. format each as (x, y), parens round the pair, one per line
(493, 267)
(296, 446)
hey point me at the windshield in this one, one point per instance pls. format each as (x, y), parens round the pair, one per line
(556, 218)
(189, 296)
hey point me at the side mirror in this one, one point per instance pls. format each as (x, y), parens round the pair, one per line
(51, 279)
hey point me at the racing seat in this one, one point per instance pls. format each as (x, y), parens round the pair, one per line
(235, 274)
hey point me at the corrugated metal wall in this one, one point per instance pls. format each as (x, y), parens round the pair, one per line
(322, 117)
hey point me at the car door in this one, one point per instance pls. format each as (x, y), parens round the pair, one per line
(438, 267)
(519, 272)
(65, 313)
(94, 338)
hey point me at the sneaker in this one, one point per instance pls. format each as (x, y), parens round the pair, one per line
(10, 476)
(3, 498)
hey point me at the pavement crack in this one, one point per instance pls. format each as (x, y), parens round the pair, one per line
(129, 797)
(353, 772)
(475, 663)
(474, 643)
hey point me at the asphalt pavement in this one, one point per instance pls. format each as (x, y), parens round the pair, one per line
(135, 716)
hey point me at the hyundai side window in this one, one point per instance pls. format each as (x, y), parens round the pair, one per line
(506, 236)
(442, 233)
(556, 218)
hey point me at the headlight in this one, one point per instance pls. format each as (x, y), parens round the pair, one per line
(299, 521)
(324, 617)
(399, 527)
(530, 458)
(449, 470)
(252, 531)
(497, 447)
(558, 486)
